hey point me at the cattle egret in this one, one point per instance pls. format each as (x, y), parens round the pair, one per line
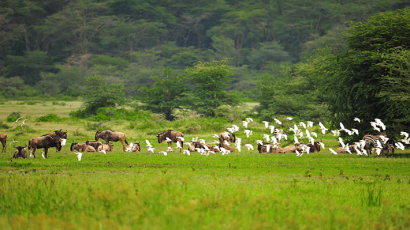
(302, 124)
(322, 145)
(405, 134)
(249, 119)
(314, 134)
(169, 149)
(248, 132)
(217, 147)
(150, 149)
(272, 128)
(216, 142)
(23, 123)
(295, 138)
(163, 152)
(42, 154)
(202, 141)
(333, 151)
(289, 118)
(277, 121)
(341, 142)
(187, 152)
(249, 146)
(245, 124)
(364, 152)
(399, 145)
(336, 133)
(259, 142)
(15, 122)
(181, 139)
(31, 155)
(355, 131)
(266, 137)
(356, 119)
(307, 133)
(235, 127)
(79, 155)
(102, 151)
(274, 141)
(215, 136)
(266, 123)
(298, 154)
(179, 145)
(312, 140)
(357, 150)
(378, 151)
(168, 139)
(309, 123)
(232, 130)
(13, 142)
(148, 143)
(342, 127)
(226, 142)
(267, 148)
(384, 139)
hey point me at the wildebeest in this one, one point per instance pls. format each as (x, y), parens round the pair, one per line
(44, 142)
(263, 148)
(292, 148)
(21, 152)
(136, 147)
(3, 139)
(174, 136)
(81, 147)
(314, 148)
(230, 137)
(95, 144)
(58, 134)
(109, 135)
(106, 147)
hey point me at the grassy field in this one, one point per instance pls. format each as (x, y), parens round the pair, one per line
(245, 190)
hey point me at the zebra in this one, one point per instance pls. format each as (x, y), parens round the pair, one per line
(371, 141)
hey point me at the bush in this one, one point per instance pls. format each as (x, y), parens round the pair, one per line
(97, 126)
(3, 125)
(49, 118)
(13, 116)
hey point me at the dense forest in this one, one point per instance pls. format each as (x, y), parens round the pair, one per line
(57, 48)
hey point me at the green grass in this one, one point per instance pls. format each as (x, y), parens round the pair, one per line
(245, 190)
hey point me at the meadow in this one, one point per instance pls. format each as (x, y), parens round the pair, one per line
(241, 190)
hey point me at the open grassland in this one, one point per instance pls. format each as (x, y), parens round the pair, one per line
(245, 190)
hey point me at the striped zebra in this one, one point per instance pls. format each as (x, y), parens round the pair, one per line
(371, 141)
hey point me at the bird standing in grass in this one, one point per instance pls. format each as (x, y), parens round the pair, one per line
(79, 155)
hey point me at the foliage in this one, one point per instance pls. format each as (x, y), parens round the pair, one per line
(12, 117)
(165, 95)
(371, 79)
(99, 94)
(48, 118)
(208, 93)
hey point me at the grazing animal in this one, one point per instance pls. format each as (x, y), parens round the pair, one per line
(82, 147)
(292, 148)
(109, 135)
(174, 136)
(57, 134)
(315, 147)
(44, 142)
(3, 139)
(371, 141)
(108, 147)
(262, 148)
(95, 144)
(21, 152)
(230, 137)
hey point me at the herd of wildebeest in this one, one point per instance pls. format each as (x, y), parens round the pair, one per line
(369, 144)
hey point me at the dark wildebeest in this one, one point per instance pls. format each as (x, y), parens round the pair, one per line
(371, 141)
(174, 136)
(263, 148)
(109, 135)
(225, 136)
(21, 152)
(313, 148)
(81, 147)
(44, 142)
(58, 134)
(95, 144)
(3, 139)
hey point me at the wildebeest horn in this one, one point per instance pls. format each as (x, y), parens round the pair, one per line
(25, 145)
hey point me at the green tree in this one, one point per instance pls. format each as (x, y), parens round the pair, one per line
(99, 94)
(371, 79)
(210, 84)
(165, 95)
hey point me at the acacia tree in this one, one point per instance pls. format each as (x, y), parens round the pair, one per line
(372, 78)
(210, 84)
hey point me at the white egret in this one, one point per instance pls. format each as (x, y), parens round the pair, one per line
(277, 121)
(187, 152)
(42, 154)
(309, 123)
(163, 152)
(148, 143)
(322, 145)
(333, 151)
(215, 136)
(340, 140)
(245, 124)
(249, 146)
(289, 118)
(151, 149)
(272, 128)
(169, 149)
(79, 155)
(102, 151)
(249, 119)
(302, 124)
(266, 123)
(356, 119)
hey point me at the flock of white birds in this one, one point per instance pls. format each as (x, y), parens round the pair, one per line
(275, 135)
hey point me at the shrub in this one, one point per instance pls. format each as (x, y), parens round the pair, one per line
(13, 116)
(97, 126)
(49, 118)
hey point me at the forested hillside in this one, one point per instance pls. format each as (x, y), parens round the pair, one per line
(53, 46)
